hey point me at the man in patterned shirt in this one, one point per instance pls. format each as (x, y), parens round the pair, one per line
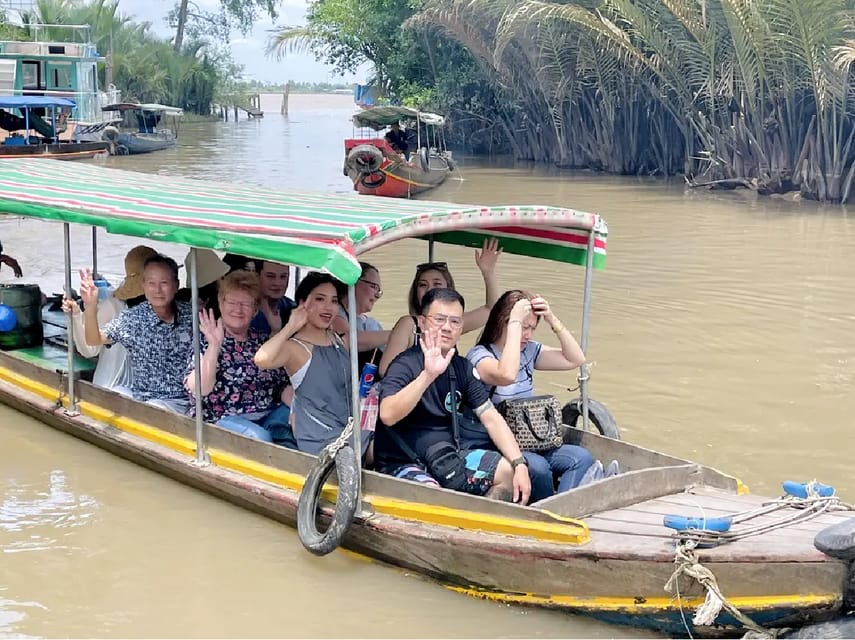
(157, 333)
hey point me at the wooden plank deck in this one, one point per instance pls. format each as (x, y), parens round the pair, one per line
(639, 528)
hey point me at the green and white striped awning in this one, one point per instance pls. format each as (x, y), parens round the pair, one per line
(312, 230)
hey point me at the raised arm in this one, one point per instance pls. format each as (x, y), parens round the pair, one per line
(570, 355)
(89, 295)
(277, 351)
(503, 371)
(486, 260)
(395, 407)
(400, 339)
(10, 262)
(79, 330)
(212, 329)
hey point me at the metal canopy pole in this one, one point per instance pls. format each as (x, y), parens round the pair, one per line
(430, 249)
(586, 312)
(201, 453)
(354, 387)
(71, 409)
(95, 252)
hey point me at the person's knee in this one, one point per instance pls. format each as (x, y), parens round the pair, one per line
(504, 476)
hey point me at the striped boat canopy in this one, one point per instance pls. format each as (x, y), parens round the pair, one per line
(311, 230)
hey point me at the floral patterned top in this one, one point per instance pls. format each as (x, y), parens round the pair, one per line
(240, 387)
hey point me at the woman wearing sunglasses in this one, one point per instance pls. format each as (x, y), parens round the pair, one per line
(435, 275)
(506, 358)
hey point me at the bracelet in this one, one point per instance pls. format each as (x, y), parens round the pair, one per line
(559, 328)
(510, 322)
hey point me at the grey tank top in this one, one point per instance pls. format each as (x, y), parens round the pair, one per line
(321, 401)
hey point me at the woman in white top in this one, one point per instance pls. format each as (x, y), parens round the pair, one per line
(506, 358)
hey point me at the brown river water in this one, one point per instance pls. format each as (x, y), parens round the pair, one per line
(721, 332)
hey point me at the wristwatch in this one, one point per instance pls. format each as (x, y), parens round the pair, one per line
(518, 462)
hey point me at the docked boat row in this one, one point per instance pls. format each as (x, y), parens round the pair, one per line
(51, 105)
(669, 544)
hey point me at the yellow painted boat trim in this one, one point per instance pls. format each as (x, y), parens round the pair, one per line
(746, 604)
(562, 530)
(408, 181)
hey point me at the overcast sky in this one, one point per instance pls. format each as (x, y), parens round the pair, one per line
(249, 50)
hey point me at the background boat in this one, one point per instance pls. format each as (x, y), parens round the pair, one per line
(145, 118)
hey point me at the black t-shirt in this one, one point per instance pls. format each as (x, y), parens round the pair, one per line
(430, 420)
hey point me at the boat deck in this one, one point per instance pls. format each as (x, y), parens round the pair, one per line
(640, 527)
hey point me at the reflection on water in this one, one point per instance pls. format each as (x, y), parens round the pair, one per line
(721, 332)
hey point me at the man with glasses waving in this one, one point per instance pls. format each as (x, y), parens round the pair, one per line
(425, 387)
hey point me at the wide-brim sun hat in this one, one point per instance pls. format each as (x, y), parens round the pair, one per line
(132, 287)
(209, 267)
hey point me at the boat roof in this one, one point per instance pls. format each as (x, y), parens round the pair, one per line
(134, 106)
(378, 118)
(20, 102)
(321, 231)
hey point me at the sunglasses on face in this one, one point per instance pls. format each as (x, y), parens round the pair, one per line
(432, 266)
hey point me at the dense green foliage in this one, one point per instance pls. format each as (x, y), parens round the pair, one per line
(145, 67)
(757, 92)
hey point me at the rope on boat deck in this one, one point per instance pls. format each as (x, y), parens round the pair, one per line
(688, 564)
(806, 509)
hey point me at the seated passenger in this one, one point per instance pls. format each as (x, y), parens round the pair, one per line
(397, 139)
(370, 335)
(317, 362)
(416, 405)
(435, 275)
(209, 269)
(236, 395)
(157, 333)
(275, 306)
(506, 358)
(112, 369)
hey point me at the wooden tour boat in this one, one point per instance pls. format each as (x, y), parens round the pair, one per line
(376, 169)
(601, 550)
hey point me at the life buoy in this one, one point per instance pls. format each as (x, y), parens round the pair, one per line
(424, 159)
(597, 414)
(110, 134)
(838, 540)
(373, 180)
(347, 470)
(365, 158)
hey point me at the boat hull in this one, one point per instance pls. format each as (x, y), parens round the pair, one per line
(59, 151)
(479, 547)
(402, 180)
(137, 143)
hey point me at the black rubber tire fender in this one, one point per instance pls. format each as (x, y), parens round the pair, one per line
(424, 159)
(599, 416)
(347, 470)
(365, 158)
(378, 179)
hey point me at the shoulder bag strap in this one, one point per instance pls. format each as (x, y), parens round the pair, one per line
(403, 446)
(452, 383)
(493, 388)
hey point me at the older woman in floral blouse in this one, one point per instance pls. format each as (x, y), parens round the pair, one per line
(236, 394)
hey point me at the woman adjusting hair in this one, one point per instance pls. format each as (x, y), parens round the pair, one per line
(506, 358)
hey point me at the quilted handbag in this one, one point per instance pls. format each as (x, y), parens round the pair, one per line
(535, 422)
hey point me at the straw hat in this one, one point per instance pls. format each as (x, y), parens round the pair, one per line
(135, 259)
(209, 268)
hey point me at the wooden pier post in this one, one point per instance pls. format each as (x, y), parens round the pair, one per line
(284, 109)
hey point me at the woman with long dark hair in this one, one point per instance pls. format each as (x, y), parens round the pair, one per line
(435, 275)
(506, 358)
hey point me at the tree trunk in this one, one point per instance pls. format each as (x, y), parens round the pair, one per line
(179, 30)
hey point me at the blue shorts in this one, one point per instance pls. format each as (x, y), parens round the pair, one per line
(480, 464)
